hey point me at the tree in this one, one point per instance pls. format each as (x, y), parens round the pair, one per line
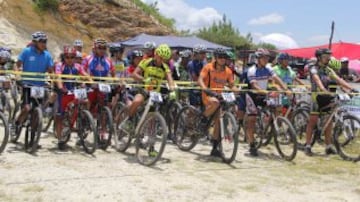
(224, 33)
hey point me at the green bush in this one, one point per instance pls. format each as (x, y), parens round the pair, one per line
(44, 5)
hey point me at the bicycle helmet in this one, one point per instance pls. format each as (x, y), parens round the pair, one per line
(283, 56)
(133, 54)
(231, 55)
(149, 45)
(5, 49)
(199, 48)
(344, 59)
(5, 55)
(115, 47)
(78, 42)
(37, 36)
(262, 53)
(321, 51)
(220, 52)
(185, 53)
(100, 42)
(163, 51)
(68, 50)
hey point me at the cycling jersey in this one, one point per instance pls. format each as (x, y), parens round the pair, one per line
(150, 70)
(62, 69)
(216, 79)
(98, 66)
(195, 67)
(287, 75)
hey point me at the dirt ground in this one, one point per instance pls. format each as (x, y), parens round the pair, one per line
(51, 175)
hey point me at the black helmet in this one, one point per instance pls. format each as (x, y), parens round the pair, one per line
(321, 51)
(220, 52)
(133, 54)
(115, 47)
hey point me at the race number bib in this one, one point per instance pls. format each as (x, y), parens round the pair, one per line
(156, 97)
(228, 97)
(105, 88)
(80, 94)
(3, 78)
(37, 92)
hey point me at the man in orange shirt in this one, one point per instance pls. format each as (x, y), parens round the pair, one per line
(214, 77)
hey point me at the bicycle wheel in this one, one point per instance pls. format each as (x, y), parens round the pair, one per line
(347, 138)
(47, 120)
(105, 128)
(151, 139)
(4, 132)
(172, 112)
(187, 131)
(241, 133)
(33, 131)
(268, 132)
(124, 131)
(16, 132)
(285, 138)
(300, 120)
(257, 132)
(6, 107)
(87, 131)
(229, 138)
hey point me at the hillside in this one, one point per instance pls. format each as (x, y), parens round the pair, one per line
(86, 19)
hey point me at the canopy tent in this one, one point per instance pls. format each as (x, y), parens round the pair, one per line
(339, 50)
(173, 41)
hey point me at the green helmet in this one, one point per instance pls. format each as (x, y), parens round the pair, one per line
(335, 64)
(231, 55)
(209, 56)
(164, 51)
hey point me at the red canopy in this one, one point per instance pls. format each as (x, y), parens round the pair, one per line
(339, 50)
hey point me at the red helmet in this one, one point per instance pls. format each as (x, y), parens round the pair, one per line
(68, 50)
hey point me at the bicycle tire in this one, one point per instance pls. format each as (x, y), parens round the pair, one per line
(4, 140)
(343, 141)
(290, 138)
(104, 142)
(152, 117)
(14, 135)
(299, 121)
(183, 128)
(32, 140)
(7, 110)
(123, 135)
(87, 124)
(231, 136)
(257, 132)
(171, 114)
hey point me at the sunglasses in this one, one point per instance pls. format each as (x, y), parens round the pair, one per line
(42, 41)
(222, 57)
(69, 57)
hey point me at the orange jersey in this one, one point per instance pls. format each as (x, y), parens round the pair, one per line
(216, 79)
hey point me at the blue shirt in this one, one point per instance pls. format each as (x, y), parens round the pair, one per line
(195, 67)
(260, 75)
(33, 61)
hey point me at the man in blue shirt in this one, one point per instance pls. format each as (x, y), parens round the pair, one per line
(195, 66)
(36, 59)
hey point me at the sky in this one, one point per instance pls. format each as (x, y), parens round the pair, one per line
(285, 23)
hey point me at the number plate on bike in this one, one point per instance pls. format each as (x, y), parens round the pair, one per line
(37, 92)
(228, 97)
(80, 94)
(156, 97)
(105, 88)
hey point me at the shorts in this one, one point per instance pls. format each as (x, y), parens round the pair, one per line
(27, 99)
(97, 97)
(195, 97)
(253, 101)
(320, 104)
(241, 103)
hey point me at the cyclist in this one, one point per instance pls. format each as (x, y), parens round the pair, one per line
(194, 68)
(344, 71)
(99, 65)
(258, 77)
(68, 67)
(215, 75)
(34, 58)
(78, 57)
(152, 71)
(134, 59)
(181, 68)
(5, 57)
(148, 50)
(284, 71)
(116, 53)
(78, 45)
(321, 77)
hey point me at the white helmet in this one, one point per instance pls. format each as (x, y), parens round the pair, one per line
(344, 59)
(78, 42)
(149, 45)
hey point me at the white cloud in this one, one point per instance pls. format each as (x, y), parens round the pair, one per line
(187, 17)
(273, 18)
(281, 41)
